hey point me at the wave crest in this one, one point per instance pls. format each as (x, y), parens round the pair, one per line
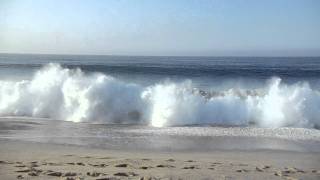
(70, 94)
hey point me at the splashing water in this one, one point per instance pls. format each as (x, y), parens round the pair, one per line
(70, 94)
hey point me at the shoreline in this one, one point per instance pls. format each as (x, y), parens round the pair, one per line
(31, 160)
(143, 138)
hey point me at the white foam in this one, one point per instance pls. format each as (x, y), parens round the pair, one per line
(69, 94)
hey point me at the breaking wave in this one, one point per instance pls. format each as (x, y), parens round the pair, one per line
(70, 94)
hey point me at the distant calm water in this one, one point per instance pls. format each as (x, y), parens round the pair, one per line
(203, 71)
(163, 91)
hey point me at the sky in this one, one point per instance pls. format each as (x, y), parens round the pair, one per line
(161, 27)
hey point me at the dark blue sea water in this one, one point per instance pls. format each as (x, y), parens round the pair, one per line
(203, 71)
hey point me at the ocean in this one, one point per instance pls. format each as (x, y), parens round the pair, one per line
(134, 101)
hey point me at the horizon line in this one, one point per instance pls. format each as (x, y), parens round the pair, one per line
(128, 55)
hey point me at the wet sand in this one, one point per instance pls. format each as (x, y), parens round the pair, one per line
(32, 160)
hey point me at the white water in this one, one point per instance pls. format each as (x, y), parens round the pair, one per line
(69, 94)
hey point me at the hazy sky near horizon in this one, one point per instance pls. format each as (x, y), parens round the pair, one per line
(161, 27)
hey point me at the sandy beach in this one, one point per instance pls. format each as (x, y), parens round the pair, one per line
(47, 149)
(27, 160)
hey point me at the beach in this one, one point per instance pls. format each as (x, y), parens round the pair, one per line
(48, 149)
(25, 160)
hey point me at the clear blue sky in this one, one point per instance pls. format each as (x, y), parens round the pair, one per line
(161, 27)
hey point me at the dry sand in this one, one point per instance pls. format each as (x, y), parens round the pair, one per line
(27, 160)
